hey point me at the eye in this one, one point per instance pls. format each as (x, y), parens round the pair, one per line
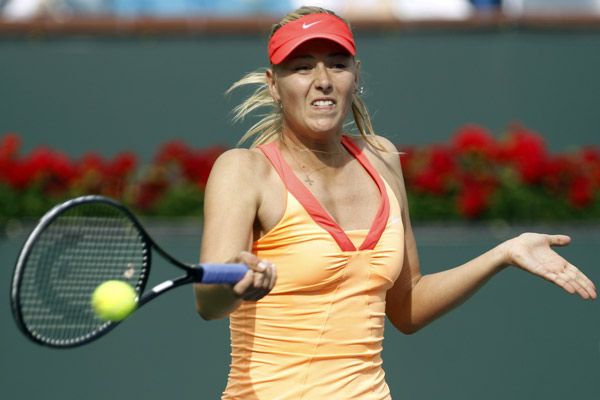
(340, 66)
(341, 63)
(301, 68)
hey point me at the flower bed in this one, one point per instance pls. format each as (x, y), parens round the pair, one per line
(478, 176)
(171, 185)
(473, 176)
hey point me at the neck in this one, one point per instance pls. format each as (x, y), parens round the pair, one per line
(314, 162)
(320, 149)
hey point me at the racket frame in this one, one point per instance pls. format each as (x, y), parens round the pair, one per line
(194, 273)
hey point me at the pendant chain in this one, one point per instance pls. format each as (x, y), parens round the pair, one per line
(302, 167)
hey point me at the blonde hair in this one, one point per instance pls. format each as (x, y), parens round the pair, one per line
(269, 127)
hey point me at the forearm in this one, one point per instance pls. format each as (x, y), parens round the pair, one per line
(215, 301)
(436, 294)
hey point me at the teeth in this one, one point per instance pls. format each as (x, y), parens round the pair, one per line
(320, 103)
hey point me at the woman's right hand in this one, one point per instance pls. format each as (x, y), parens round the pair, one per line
(257, 282)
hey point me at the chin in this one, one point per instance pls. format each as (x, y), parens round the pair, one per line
(327, 131)
(327, 128)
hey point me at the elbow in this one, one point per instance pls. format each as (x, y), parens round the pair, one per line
(403, 319)
(202, 313)
(407, 328)
(207, 315)
(212, 302)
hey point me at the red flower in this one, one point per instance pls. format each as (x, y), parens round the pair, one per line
(9, 146)
(197, 166)
(475, 139)
(559, 172)
(473, 199)
(117, 173)
(149, 193)
(591, 160)
(51, 170)
(430, 181)
(526, 151)
(91, 161)
(122, 165)
(54, 170)
(437, 171)
(442, 159)
(18, 174)
(581, 192)
(60, 175)
(173, 151)
(591, 154)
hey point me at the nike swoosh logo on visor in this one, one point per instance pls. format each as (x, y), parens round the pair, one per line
(306, 26)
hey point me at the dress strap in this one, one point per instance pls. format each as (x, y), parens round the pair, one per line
(317, 211)
(383, 213)
(305, 197)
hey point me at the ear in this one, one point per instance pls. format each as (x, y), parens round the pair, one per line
(272, 85)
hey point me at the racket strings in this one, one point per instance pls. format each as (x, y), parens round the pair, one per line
(81, 248)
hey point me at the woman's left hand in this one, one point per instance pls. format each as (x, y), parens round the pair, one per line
(532, 252)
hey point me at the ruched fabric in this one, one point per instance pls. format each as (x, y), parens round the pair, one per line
(319, 333)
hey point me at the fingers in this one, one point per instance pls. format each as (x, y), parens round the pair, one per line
(532, 252)
(257, 282)
(574, 281)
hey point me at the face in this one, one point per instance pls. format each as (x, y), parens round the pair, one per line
(315, 84)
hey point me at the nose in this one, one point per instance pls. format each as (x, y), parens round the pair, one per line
(322, 78)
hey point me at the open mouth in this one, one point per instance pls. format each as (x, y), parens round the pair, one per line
(323, 103)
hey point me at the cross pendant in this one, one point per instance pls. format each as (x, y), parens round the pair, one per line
(309, 181)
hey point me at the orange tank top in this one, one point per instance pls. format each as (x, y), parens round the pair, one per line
(319, 333)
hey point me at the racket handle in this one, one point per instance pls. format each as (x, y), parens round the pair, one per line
(223, 273)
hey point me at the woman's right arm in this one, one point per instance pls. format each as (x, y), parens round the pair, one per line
(232, 198)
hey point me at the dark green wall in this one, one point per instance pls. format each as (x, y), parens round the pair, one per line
(110, 94)
(518, 338)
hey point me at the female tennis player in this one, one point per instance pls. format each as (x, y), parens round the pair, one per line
(328, 210)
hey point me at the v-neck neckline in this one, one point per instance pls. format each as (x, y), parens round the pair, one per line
(314, 208)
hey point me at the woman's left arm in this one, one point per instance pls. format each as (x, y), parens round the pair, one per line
(431, 296)
(415, 300)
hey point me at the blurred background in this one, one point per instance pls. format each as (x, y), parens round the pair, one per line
(401, 9)
(495, 104)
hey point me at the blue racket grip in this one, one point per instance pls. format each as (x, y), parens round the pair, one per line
(223, 273)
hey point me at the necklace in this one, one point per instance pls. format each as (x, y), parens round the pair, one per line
(300, 165)
(303, 150)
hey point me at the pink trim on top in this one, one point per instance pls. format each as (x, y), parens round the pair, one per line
(383, 213)
(316, 210)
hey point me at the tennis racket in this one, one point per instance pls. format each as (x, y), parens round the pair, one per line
(75, 247)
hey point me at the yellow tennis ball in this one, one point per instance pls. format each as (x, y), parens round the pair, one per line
(114, 300)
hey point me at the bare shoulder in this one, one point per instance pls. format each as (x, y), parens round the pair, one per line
(235, 158)
(240, 165)
(244, 188)
(386, 160)
(386, 157)
(235, 174)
